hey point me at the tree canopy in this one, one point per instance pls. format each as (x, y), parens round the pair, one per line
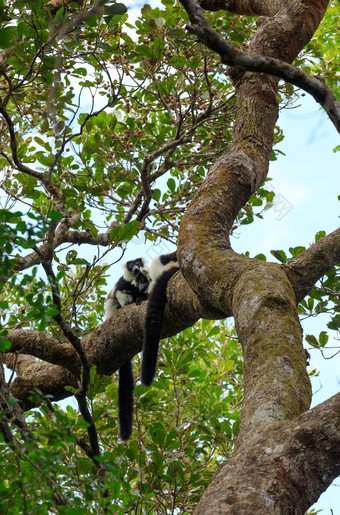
(159, 131)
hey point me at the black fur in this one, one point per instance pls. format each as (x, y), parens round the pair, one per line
(126, 388)
(132, 290)
(154, 320)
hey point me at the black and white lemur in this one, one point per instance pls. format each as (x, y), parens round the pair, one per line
(131, 288)
(161, 270)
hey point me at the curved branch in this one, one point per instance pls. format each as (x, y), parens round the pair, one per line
(317, 434)
(48, 185)
(231, 56)
(14, 148)
(45, 347)
(51, 380)
(302, 456)
(306, 269)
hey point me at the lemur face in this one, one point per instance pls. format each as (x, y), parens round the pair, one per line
(135, 265)
(142, 282)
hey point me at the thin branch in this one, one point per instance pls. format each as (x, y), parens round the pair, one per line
(80, 395)
(60, 237)
(14, 147)
(65, 29)
(231, 56)
(306, 269)
(51, 188)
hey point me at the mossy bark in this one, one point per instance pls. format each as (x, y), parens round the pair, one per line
(260, 295)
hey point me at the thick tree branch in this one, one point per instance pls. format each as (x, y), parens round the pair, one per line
(302, 457)
(276, 386)
(45, 347)
(246, 7)
(231, 56)
(318, 436)
(51, 380)
(306, 269)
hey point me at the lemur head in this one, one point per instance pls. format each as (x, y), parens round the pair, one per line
(133, 268)
(142, 282)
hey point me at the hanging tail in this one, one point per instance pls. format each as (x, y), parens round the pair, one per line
(153, 326)
(126, 388)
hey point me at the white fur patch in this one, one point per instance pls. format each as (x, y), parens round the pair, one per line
(157, 269)
(123, 298)
(111, 304)
(128, 276)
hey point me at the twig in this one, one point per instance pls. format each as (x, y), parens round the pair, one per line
(231, 56)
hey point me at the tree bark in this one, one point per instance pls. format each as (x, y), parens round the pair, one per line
(262, 477)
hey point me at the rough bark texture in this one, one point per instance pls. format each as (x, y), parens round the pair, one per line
(247, 7)
(285, 455)
(285, 469)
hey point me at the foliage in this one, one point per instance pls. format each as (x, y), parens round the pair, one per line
(321, 54)
(108, 110)
(323, 298)
(171, 457)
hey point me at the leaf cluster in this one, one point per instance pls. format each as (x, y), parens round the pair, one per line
(170, 458)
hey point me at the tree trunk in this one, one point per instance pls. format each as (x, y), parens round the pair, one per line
(272, 470)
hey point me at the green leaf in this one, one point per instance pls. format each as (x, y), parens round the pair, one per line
(296, 251)
(319, 235)
(52, 312)
(261, 257)
(126, 232)
(323, 338)
(55, 215)
(280, 255)
(113, 9)
(312, 340)
(177, 61)
(158, 46)
(334, 323)
(146, 51)
(156, 195)
(4, 344)
(7, 35)
(171, 185)
(80, 71)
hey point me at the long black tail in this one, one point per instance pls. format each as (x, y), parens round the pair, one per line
(126, 388)
(153, 326)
